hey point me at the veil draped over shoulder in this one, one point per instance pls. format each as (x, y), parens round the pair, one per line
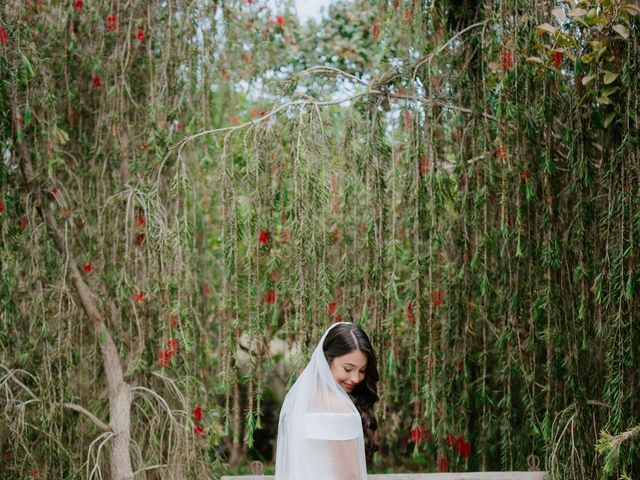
(320, 430)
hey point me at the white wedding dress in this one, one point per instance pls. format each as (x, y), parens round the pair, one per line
(320, 431)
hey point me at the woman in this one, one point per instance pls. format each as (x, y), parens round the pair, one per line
(327, 424)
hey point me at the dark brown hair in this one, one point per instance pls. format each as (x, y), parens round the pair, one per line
(345, 338)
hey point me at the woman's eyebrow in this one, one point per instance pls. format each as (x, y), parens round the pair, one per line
(355, 366)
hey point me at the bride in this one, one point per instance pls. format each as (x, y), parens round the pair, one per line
(326, 428)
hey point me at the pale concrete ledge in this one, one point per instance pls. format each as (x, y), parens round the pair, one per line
(430, 476)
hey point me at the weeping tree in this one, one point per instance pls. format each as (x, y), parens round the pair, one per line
(460, 178)
(467, 191)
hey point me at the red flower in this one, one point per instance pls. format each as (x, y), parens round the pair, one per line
(332, 308)
(557, 59)
(270, 297)
(206, 290)
(87, 267)
(197, 413)
(54, 193)
(416, 434)
(437, 297)
(280, 21)
(112, 23)
(507, 60)
(143, 146)
(460, 445)
(443, 464)
(165, 358)
(179, 126)
(234, 120)
(22, 223)
(138, 297)
(172, 320)
(335, 233)
(78, 4)
(199, 430)
(376, 29)
(424, 166)
(396, 3)
(502, 152)
(263, 238)
(450, 439)
(141, 221)
(140, 239)
(171, 345)
(246, 58)
(1, 206)
(96, 81)
(284, 236)
(410, 316)
(4, 36)
(223, 72)
(526, 175)
(466, 450)
(140, 35)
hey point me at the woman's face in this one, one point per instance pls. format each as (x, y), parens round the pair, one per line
(349, 369)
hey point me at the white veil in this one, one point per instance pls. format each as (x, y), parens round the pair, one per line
(320, 430)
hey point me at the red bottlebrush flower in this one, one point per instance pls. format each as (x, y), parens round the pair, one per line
(22, 223)
(416, 434)
(466, 450)
(376, 29)
(199, 430)
(179, 126)
(526, 175)
(234, 120)
(165, 358)
(223, 72)
(96, 81)
(246, 58)
(335, 234)
(141, 221)
(443, 464)
(437, 298)
(54, 193)
(459, 445)
(502, 152)
(172, 320)
(557, 59)
(87, 267)
(263, 237)
(4, 36)
(408, 17)
(280, 21)
(450, 439)
(270, 297)
(140, 35)
(138, 297)
(507, 61)
(332, 308)
(143, 146)
(112, 23)
(206, 290)
(140, 239)
(171, 345)
(197, 413)
(410, 316)
(396, 3)
(77, 5)
(425, 166)
(1, 206)
(284, 236)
